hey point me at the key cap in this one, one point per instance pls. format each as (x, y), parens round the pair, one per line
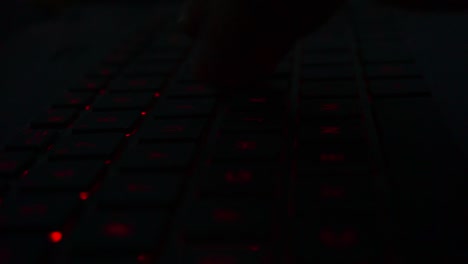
(20, 249)
(329, 89)
(391, 70)
(172, 129)
(74, 100)
(78, 176)
(38, 212)
(94, 122)
(227, 254)
(192, 90)
(328, 72)
(324, 58)
(248, 148)
(91, 85)
(31, 139)
(233, 221)
(322, 131)
(239, 180)
(151, 69)
(251, 122)
(55, 119)
(123, 101)
(134, 84)
(402, 87)
(106, 233)
(140, 190)
(100, 146)
(12, 164)
(159, 156)
(257, 103)
(184, 108)
(332, 155)
(329, 108)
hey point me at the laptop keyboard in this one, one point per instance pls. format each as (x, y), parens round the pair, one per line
(139, 163)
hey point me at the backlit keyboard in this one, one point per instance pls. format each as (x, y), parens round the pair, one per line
(139, 163)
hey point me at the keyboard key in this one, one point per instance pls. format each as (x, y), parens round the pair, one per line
(258, 103)
(87, 146)
(248, 148)
(185, 108)
(329, 89)
(93, 122)
(332, 155)
(239, 180)
(78, 176)
(140, 190)
(143, 84)
(172, 129)
(38, 212)
(123, 101)
(18, 249)
(329, 72)
(251, 122)
(31, 139)
(350, 130)
(159, 156)
(12, 164)
(389, 70)
(55, 119)
(237, 254)
(151, 69)
(192, 90)
(402, 87)
(92, 85)
(329, 108)
(119, 232)
(229, 221)
(321, 58)
(74, 100)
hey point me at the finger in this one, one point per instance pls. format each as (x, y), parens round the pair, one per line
(244, 40)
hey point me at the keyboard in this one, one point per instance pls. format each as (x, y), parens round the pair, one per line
(326, 162)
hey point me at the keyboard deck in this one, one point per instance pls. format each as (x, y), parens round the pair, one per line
(139, 163)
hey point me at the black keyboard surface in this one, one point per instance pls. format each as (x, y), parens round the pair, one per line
(140, 163)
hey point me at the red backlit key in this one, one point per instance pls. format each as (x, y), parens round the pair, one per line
(258, 103)
(258, 148)
(225, 254)
(333, 155)
(389, 70)
(74, 100)
(239, 180)
(143, 84)
(171, 129)
(131, 232)
(106, 122)
(123, 101)
(31, 139)
(100, 146)
(237, 220)
(192, 90)
(92, 85)
(13, 164)
(330, 89)
(251, 122)
(159, 156)
(150, 69)
(339, 108)
(19, 249)
(329, 72)
(332, 131)
(185, 108)
(55, 119)
(395, 87)
(38, 212)
(78, 176)
(134, 190)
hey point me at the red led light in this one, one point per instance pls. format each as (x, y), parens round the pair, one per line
(84, 196)
(87, 108)
(26, 172)
(143, 113)
(118, 230)
(107, 162)
(55, 236)
(334, 130)
(157, 94)
(246, 145)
